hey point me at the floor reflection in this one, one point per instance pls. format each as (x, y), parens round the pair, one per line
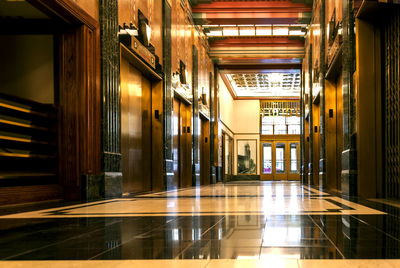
(266, 236)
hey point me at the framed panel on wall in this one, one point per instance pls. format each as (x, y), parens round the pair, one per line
(247, 157)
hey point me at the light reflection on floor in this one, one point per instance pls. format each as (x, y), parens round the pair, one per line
(233, 225)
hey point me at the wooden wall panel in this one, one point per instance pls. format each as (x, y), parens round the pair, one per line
(157, 29)
(79, 100)
(90, 6)
(152, 10)
(125, 12)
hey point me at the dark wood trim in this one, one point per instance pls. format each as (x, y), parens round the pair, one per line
(25, 194)
(67, 10)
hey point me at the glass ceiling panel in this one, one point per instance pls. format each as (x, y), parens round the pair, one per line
(271, 84)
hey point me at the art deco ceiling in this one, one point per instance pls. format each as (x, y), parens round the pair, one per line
(285, 83)
(258, 38)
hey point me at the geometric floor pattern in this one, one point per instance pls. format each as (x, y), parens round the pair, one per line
(262, 224)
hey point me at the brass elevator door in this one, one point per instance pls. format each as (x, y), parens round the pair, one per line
(135, 129)
(182, 144)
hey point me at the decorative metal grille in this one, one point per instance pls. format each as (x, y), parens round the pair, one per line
(392, 104)
(280, 108)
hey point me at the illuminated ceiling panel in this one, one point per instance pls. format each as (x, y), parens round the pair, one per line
(261, 85)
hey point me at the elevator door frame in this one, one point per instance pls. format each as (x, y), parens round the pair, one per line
(183, 143)
(287, 176)
(154, 126)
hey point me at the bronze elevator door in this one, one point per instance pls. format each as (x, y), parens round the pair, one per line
(205, 152)
(135, 129)
(182, 144)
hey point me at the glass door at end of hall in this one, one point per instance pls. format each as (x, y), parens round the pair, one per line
(280, 160)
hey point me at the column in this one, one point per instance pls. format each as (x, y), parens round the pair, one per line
(111, 100)
(349, 154)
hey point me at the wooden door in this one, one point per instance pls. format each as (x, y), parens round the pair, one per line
(293, 160)
(229, 158)
(280, 160)
(267, 156)
(182, 144)
(135, 129)
(316, 144)
(186, 141)
(205, 152)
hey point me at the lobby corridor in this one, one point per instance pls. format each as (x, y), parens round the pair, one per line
(240, 224)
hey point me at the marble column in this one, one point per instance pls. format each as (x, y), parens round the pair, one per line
(111, 99)
(302, 143)
(168, 97)
(310, 119)
(195, 120)
(349, 154)
(322, 73)
(213, 132)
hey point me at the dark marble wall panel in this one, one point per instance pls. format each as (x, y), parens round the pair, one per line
(310, 117)
(322, 69)
(349, 154)
(111, 129)
(195, 118)
(111, 113)
(168, 95)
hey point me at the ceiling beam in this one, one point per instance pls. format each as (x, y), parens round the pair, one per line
(252, 12)
(257, 42)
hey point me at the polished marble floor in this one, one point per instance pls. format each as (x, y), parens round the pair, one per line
(243, 224)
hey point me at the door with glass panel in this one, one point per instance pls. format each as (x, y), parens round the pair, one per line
(280, 160)
(293, 160)
(266, 162)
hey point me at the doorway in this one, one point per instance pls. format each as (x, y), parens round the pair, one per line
(135, 129)
(182, 143)
(205, 178)
(280, 160)
(227, 160)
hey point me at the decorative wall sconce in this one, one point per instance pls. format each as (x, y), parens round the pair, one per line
(144, 29)
(128, 30)
(204, 96)
(175, 80)
(182, 72)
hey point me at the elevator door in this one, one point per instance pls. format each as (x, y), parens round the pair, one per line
(182, 144)
(280, 160)
(135, 129)
(205, 152)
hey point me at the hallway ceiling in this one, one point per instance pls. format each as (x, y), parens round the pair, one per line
(245, 84)
(255, 35)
